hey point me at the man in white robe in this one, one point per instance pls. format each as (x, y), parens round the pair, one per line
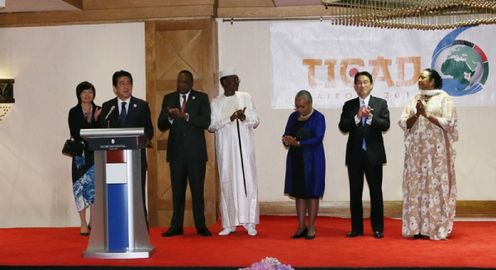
(233, 119)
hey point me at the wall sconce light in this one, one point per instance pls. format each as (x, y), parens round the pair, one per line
(6, 96)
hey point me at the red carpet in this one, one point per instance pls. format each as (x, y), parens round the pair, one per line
(473, 244)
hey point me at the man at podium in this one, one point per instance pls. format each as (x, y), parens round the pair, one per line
(126, 111)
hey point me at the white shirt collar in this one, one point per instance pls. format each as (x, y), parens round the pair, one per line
(119, 102)
(181, 96)
(364, 101)
(126, 100)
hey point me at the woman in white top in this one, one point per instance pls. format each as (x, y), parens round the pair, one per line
(429, 184)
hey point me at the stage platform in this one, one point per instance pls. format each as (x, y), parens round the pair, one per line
(472, 245)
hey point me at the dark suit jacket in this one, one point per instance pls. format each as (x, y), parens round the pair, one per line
(77, 121)
(186, 138)
(138, 115)
(372, 132)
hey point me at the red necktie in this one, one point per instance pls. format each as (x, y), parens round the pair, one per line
(183, 106)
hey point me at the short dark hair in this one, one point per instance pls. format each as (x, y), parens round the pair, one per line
(363, 73)
(188, 73)
(84, 86)
(434, 75)
(121, 73)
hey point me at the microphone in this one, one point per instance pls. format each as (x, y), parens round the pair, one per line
(108, 114)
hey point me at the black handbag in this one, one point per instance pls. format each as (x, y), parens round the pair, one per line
(72, 148)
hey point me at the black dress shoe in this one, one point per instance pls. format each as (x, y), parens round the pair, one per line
(353, 234)
(172, 232)
(378, 234)
(311, 232)
(203, 232)
(300, 234)
(84, 233)
(310, 236)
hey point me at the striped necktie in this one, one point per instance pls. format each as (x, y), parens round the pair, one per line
(364, 122)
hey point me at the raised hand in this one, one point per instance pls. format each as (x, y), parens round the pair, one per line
(98, 111)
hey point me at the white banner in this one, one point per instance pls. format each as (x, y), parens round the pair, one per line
(323, 59)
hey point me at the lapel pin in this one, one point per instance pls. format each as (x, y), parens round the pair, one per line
(193, 97)
(134, 105)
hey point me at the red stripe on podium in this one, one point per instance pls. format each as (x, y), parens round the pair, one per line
(115, 156)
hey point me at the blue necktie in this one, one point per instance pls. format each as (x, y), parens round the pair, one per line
(364, 122)
(122, 116)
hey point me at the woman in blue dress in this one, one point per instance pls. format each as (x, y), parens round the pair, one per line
(84, 115)
(305, 163)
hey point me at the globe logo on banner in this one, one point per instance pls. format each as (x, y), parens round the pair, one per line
(463, 66)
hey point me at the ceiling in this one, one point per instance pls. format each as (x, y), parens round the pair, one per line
(440, 14)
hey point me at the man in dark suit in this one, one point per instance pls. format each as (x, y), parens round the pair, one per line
(126, 111)
(365, 118)
(186, 114)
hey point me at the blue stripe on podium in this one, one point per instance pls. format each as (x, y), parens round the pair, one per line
(117, 218)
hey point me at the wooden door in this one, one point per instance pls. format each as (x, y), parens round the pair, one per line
(172, 46)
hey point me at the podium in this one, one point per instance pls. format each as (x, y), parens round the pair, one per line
(117, 218)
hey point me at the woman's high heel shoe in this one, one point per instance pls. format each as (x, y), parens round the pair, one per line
(310, 234)
(300, 234)
(84, 232)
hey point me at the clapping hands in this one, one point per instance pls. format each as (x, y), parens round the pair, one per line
(420, 108)
(176, 113)
(364, 112)
(289, 141)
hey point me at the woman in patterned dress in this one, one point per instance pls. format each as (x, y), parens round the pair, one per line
(429, 184)
(83, 115)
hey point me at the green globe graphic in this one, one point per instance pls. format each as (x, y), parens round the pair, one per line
(462, 67)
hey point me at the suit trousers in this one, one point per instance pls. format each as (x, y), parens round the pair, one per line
(373, 174)
(184, 170)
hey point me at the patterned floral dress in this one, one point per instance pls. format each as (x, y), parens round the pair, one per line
(429, 184)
